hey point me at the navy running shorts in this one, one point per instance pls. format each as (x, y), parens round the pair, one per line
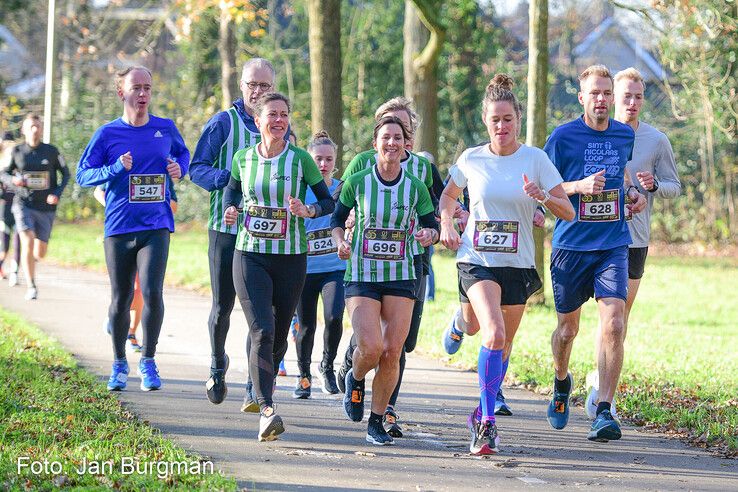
(578, 275)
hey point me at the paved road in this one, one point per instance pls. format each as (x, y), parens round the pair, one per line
(321, 449)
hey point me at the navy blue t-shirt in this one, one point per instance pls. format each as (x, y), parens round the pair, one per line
(578, 151)
(135, 200)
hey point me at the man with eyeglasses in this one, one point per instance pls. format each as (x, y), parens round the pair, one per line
(223, 135)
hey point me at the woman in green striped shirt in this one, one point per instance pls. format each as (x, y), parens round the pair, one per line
(380, 287)
(270, 260)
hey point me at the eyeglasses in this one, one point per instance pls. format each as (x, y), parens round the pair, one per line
(261, 85)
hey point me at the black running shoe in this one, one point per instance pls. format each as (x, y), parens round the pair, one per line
(215, 387)
(270, 424)
(302, 390)
(389, 420)
(376, 434)
(484, 439)
(328, 381)
(353, 399)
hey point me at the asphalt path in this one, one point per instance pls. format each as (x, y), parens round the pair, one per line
(321, 449)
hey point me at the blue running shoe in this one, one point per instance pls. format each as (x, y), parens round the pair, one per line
(282, 370)
(250, 405)
(604, 428)
(353, 399)
(501, 407)
(119, 377)
(149, 375)
(452, 337)
(558, 409)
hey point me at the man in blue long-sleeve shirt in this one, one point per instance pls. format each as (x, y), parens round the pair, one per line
(224, 134)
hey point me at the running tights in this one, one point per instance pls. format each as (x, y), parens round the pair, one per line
(329, 285)
(268, 287)
(147, 252)
(221, 246)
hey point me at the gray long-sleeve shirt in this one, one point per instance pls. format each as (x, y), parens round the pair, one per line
(652, 152)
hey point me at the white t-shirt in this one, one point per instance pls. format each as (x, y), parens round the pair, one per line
(500, 228)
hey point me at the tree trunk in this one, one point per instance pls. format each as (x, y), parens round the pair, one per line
(227, 52)
(325, 69)
(423, 36)
(537, 101)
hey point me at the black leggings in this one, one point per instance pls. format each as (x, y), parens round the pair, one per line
(221, 246)
(147, 252)
(268, 287)
(412, 336)
(330, 286)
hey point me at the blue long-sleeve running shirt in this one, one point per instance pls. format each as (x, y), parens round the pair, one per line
(136, 200)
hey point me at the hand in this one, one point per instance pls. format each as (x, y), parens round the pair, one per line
(344, 249)
(425, 237)
(351, 220)
(18, 180)
(592, 184)
(449, 237)
(175, 172)
(230, 215)
(532, 189)
(539, 219)
(638, 203)
(646, 179)
(297, 207)
(126, 160)
(52, 199)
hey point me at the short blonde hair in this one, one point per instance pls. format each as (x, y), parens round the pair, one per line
(398, 104)
(631, 73)
(598, 70)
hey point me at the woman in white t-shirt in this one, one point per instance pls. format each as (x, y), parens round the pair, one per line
(506, 180)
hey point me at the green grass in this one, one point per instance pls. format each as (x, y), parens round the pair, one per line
(681, 362)
(53, 412)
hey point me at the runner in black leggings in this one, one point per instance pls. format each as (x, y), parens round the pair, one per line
(269, 264)
(133, 155)
(324, 278)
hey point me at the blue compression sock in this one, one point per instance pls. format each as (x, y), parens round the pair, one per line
(489, 368)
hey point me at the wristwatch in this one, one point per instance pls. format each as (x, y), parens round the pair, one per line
(311, 210)
(655, 186)
(546, 197)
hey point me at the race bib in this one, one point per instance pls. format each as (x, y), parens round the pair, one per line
(496, 236)
(320, 242)
(384, 244)
(602, 207)
(266, 222)
(146, 188)
(36, 180)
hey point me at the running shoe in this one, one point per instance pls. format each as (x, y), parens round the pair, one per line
(590, 406)
(390, 423)
(558, 409)
(328, 381)
(604, 428)
(215, 387)
(270, 424)
(149, 375)
(452, 337)
(3, 276)
(484, 439)
(501, 407)
(472, 421)
(119, 377)
(282, 370)
(353, 399)
(250, 405)
(341, 378)
(302, 390)
(12, 279)
(375, 434)
(31, 294)
(133, 344)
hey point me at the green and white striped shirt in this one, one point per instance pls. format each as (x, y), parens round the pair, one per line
(416, 165)
(266, 225)
(380, 246)
(239, 137)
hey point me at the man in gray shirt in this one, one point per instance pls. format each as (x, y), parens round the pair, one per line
(654, 173)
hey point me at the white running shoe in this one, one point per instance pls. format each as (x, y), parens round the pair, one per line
(590, 406)
(31, 294)
(12, 279)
